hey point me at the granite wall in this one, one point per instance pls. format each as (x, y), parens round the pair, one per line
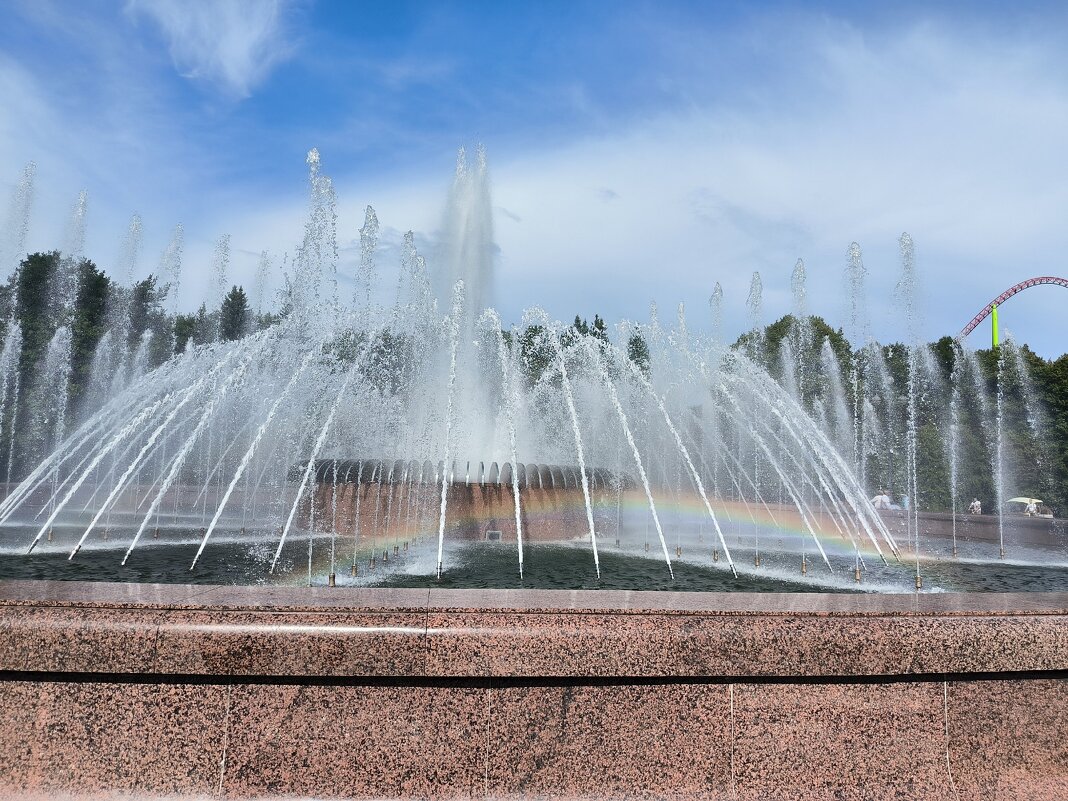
(146, 691)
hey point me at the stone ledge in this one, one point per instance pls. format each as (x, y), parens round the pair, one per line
(289, 632)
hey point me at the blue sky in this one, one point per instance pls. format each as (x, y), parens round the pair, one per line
(639, 151)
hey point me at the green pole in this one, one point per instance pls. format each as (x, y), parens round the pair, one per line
(994, 326)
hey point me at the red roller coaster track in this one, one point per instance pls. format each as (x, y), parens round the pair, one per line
(1008, 293)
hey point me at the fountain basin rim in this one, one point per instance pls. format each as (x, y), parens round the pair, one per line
(131, 595)
(123, 633)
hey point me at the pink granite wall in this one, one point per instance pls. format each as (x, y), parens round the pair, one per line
(152, 691)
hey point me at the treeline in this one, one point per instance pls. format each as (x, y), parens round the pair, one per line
(1034, 412)
(82, 337)
(121, 331)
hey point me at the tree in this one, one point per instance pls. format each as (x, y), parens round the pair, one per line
(638, 352)
(33, 308)
(599, 330)
(89, 323)
(536, 353)
(204, 326)
(146, 315)
(234, 315)
(184, 328)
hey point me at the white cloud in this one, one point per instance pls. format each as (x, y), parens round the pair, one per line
(234, 43)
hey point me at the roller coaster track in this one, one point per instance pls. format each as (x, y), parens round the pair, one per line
(1008, 293)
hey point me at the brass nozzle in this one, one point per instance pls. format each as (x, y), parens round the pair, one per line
(715, 554)
(756, 561)
(355, 570)
(804, 566)
(856, 575)
(49, 534)
(678, 550)
(332, 580)
(919, 582)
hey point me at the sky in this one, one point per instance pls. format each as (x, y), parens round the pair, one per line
(639, 152)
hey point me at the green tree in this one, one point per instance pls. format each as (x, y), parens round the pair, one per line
(536, 353)
(33, 308)
(638, 352)
(184, 328)
(146, 315)
(38, 317)
(234, 315)
(89, 323)
(204, 325)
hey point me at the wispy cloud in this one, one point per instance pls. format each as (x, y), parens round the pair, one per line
(232, 43)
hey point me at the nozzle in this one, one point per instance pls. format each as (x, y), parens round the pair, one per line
(919, 582)
(856, 575)
(50, 535)
(715, 554)
(355, 570)
(332, 581)
(678, 550)
(155, 533)
(756, 561)
(804, 566)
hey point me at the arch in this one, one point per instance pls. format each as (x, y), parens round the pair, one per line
(571, 479)
(556, 474)
(505, 476)
(545, 477)
(1008, 293)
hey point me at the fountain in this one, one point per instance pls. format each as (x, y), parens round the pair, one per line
(338, 383)
(494, 524)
